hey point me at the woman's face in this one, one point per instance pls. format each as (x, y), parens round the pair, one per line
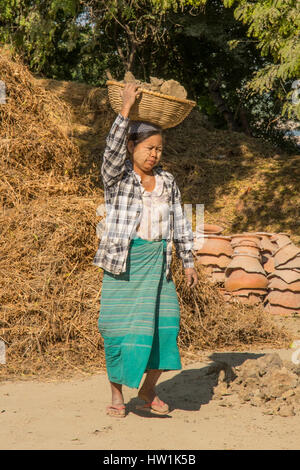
(146, 154)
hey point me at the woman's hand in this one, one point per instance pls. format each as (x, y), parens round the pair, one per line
(129, 94)
(191, 277)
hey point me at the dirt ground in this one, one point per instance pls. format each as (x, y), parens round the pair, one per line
(71, 414)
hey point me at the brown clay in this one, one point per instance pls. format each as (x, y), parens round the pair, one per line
(268, 262)
(285, 298)
(280, 284)
(240, 279)
(280, 238)
(292, 264)
(220, 261)
(168, 87)
(250, 291)
(288, 275)
(286, 253)
(213, 245)
(214, 229)
(266, 244)
(247, 262)
(242, 249)
(246, 236)
(279, 310)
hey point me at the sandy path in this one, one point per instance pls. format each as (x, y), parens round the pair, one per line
(70, 415)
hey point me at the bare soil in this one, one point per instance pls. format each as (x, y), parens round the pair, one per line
(70, 414)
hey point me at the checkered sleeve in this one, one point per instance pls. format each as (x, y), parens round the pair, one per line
(115, 151)
(183, 235)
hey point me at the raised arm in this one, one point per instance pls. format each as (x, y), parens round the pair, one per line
(115, 151)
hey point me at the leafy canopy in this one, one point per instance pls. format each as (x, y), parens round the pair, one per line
(276, 26)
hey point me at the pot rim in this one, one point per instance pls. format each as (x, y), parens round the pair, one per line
(283, 246)
(212, 235)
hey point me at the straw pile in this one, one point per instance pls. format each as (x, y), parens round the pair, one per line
(49, 289)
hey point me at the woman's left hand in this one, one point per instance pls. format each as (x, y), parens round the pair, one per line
(191, 277)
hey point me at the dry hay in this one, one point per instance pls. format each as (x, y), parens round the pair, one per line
(34, 123)
(50, 296)
(267, 382)
(49, 289)
(36, 151)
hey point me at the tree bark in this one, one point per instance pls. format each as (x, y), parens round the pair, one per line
(244, 121)
(214, 89)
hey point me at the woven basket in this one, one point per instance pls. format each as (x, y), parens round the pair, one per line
(163, 110)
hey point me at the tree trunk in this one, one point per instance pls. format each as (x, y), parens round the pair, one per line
(214, 89)
(244, 121)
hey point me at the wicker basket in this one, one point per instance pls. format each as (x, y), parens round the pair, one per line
(163, 110)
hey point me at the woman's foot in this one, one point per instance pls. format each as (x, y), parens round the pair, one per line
(152, 402)
(117, 407)
(116, 410)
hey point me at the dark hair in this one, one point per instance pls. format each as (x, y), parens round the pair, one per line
(137, 138)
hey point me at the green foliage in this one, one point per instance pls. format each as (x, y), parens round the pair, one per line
(248, 49)
(37, 28)
(175, 5)
(276, 26)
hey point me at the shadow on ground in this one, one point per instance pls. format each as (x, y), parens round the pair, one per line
(190, 389)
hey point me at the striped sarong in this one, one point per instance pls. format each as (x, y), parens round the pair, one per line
(139, 315)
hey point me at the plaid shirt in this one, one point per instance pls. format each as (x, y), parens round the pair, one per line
(123, 202)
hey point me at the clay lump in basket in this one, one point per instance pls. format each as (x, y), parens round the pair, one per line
(163, 110)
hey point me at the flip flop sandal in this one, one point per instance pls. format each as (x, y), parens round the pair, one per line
(117, 411)
(157, 406)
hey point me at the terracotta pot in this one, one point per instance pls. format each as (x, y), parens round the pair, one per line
(246, 236)
(252, 299)
(280, 238)
(249, 263)
(218, 276)
(246, 241)
(278, 310)
(240, 279)
(288, 275)
(292, 264)
(250, 291)
(280, 284)
(285, 298)
(213, 229)
(268, 262)
(266, 244)
(285, 253)
(213, 245)
(220, 261)
(265, 234)
(240, 249)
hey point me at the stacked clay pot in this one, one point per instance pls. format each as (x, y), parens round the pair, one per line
(284, 281)
(267, 248)
(213, 251)
(245, 277)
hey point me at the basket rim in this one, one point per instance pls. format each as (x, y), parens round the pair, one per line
(155, 93)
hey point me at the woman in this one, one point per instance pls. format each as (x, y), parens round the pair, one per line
(139, 315)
